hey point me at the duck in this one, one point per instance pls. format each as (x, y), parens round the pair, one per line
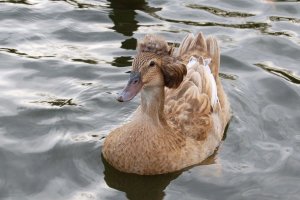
(184, 109)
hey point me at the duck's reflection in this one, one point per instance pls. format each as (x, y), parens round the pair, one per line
(138, 187)
(123, 17)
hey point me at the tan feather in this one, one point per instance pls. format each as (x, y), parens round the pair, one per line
(176, 126)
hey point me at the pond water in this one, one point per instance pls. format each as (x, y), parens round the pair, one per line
(63, 61)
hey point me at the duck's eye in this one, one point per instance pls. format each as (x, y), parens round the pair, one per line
(152, 63)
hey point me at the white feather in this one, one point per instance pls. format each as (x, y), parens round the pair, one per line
(214, 93)
(192, 61)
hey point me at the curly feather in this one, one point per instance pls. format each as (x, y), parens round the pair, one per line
(154, 44)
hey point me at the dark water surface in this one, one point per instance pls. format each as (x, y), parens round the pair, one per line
(63, 61)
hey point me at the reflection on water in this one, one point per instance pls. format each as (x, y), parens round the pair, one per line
(80, 4)
(15, 51)
(291, 19)
(286, 74)
(58, 102)
(220, 12)
(263, 27)
(16, 1)
(89, 61)
(138, 187)
(150, 187)
(123, 16)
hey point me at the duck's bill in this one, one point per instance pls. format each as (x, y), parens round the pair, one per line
(132, 88)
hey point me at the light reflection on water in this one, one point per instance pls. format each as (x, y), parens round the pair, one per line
(62, 63)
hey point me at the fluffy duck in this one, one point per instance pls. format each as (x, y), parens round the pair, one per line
(184, 109)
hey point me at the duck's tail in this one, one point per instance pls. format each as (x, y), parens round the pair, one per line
(199, 46)
(213, 51)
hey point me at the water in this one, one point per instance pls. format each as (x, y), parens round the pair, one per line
(63, 61)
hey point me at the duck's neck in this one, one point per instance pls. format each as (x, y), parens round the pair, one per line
(152, 104)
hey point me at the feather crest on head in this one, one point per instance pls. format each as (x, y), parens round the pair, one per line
(154, 44)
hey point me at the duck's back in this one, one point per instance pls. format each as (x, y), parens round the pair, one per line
(199, 105)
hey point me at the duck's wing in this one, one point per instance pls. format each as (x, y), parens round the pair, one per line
(189, 107)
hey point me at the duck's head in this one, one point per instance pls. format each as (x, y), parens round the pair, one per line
(153, 66)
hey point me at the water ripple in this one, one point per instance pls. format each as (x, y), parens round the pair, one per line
(228, 76)
(17, 52)
(57, 102)
(280, 18)
(64, 55)
(16, 2)
(261, 26)
(283, 73)
(89, 61)
(82, 5)
(220, 12)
